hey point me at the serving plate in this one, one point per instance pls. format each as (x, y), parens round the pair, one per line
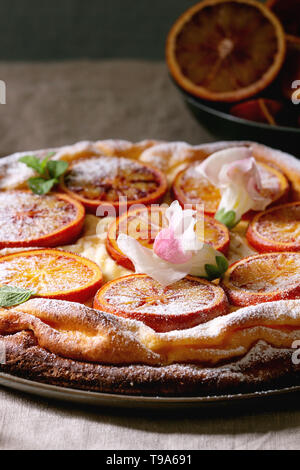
(128, 401)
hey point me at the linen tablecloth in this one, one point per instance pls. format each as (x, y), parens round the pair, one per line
(52, 104)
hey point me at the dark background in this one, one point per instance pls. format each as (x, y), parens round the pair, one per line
(72, 29)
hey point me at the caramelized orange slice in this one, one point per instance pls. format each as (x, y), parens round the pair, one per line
(263, 278)
(277, 229)
(226, 50)
(189, 188)
(30, 220)
(52, 274)
(183, 304)
(144, 225)
(104, 180)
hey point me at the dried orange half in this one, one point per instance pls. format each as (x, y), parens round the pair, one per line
(277, 229)
(105, 180)
(226, 50)
(189, 188)
(184, 304)
(288, 11)
(27, 219)
(52, 274)
(144, 225)
(263, 278)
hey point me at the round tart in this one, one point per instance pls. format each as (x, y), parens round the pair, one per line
(190, 188)
(101, 181)
(182, 305)
(144, 225)
(65, 343)
(52, 274)
(277, 229)
(214, 49)
(28, 220)
(263, 278)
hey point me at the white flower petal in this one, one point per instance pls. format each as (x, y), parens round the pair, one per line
(212, 166)
(235, 172)
(146, 262)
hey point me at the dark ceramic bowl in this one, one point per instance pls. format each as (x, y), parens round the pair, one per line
(227, 127)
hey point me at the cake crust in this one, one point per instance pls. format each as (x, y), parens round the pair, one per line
(263, 368)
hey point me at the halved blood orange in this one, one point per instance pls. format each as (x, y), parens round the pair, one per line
(144, 224)
(263, 278)
(182, 305)
(277, 229)
(30, 220)
(258, 110)
(226, 50)
(288, 12)
(190, 188)
(51, 274)
(102, 181)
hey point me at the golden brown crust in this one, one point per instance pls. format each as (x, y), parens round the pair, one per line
(262, 368)
(78, 332)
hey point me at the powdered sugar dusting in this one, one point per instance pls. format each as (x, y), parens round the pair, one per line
(25, 216)
(108, 178)
(144, 295)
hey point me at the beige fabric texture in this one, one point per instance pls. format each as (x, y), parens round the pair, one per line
(54, 104)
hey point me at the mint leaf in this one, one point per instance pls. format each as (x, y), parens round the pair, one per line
(222, 264)
(36, 164)
(57, 168)
(44, 162)
(41, 186)
(226, 218)
(49, 172)
(11, 296)
(32, 162)
(215, 272)
(212, 272)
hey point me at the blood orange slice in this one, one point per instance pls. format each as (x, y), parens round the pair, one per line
(144, 225)
(263, 278)
(184, 304)
(52, 274)
(277, 229)
(30, 220)
(288, 11)
(214, 50)
(104, 180)
(259, 110)
(189, 188)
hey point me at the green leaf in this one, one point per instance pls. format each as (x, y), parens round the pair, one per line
(45, 161)
(216, 271)
(41, 186)
(227, 218)
(36, 164)
(222, 264)
(212, 272)
(11, 296)
(32, 162)
(57, 168)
